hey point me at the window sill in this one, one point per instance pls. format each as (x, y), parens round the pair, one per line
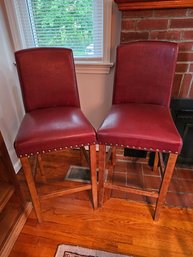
(93, 67)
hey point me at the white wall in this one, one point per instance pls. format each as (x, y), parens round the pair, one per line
(95, 89)
(11, 109)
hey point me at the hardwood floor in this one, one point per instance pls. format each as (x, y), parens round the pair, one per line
(121, 226)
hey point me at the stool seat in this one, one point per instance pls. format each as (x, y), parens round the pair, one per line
(52, 129)
(140, 126)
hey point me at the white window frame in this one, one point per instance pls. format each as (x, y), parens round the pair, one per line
(87, 66)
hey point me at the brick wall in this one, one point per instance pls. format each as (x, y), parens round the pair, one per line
(170, 24)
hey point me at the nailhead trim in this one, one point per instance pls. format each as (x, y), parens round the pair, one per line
(140, 148)
(55, 150)
(127, 146)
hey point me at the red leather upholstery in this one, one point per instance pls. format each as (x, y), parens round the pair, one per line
(53, 119)
(140, 117)
(52, 129)
(144, 72)
(47, 78)
(140, 126)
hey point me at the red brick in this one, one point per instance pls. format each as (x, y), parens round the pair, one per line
(187, 186)
(173, 199)
(187, 35)
(129, 36)
(185, 56)
(191, 68)
(182, 67)
(165, 35)
(190, 12)
(191, 92)
(176, 85)
(185, 173)
(186, 84)
(147, 170)
(137, 14)
(170, 12)
(188, 198)
(119, 178)
(134, 180)
(185, 46)
(152, 24)
(174, 185)
(128, 24)
(181, 23)
(152, 182)
(133, 167)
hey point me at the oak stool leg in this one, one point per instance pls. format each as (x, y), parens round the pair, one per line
(156, 161)
(102, 155)
(93, 175)
(165, 184)
(31, 185)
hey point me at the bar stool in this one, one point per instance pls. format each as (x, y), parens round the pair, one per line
(140, 116)
(53, 120)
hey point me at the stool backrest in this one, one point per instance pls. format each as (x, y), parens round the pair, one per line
(145, 72)
(47, 77)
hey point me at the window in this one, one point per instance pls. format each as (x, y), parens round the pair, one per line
(81, 25)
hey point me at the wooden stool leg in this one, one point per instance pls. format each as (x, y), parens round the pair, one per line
(113, 155)
(156, 161)
(84, 156)
(102, 155)
(93, 175)
(165, 183)
(42, 173)
(31, 185)
(81, 157)
(111, 166)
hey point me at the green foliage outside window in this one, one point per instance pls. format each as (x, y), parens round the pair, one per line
(67, 23)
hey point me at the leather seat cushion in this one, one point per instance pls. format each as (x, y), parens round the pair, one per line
(140, 126)
(52, 129)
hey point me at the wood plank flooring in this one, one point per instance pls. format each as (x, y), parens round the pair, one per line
(121, 226)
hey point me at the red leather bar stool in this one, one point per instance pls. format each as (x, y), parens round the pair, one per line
(140, 116)
(53, 120)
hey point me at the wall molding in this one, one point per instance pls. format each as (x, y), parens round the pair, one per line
(125, 5)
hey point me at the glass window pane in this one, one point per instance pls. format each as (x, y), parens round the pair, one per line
(75, 24)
